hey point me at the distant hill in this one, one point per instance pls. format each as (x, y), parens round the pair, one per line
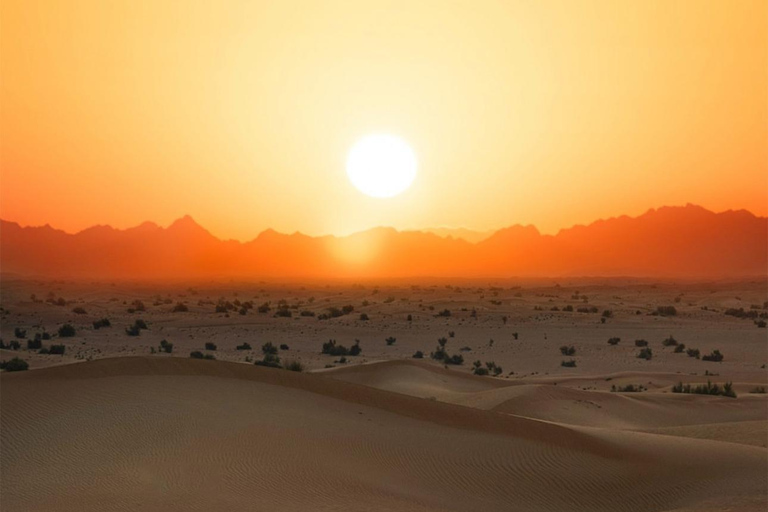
(672, 242)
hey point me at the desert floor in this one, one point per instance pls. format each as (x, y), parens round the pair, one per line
(116, 424)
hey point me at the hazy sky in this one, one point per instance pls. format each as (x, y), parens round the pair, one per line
(241, 113)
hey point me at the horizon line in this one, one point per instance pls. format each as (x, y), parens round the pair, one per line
(426, 230)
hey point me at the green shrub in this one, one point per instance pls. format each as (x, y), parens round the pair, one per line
(364, 316)
(706, 389)
(629, 388)
(20, 333)
(57, 350)
(66, 331)
(456, 359)
(391, 340)
(209, 345)
(645, 353)
(196, 354)
(294, 366)
(641, 343)
(180, 308)
(79, 311)
(418, 354)
(567, 351)
(283, 346)
(35, 344)
(758, 390)
(666, 311)
(714, 356)
(693, 352)
(166, 347)
(669, 342)
(103, 322)
(244, 346)
(568, 364)
(614, 341)
(14, 365)
(270, 360)
(680, 348)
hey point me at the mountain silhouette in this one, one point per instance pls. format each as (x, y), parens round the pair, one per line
(668, 242)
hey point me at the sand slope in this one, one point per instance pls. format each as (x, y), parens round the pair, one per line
(175, 434)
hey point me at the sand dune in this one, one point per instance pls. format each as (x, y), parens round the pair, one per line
(178, 434)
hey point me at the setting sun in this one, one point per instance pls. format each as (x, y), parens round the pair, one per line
(381, 165)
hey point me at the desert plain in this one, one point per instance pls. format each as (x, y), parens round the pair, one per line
(529, 395)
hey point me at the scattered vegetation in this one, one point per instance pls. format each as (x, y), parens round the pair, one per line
(199, 355)
(418, 354)
(209, 345)
(332, 349)
(714, 356)
(490, 368)
(645, 353)
(244, 346)
(706, 389)
(666, 311)
(568, 351)
(614, 341)
(693, 352)
(669, 342)
(391, 340)
(79, 311)
(629, 388)
(180, 307)
(14, 365)
(166, 347)
(641, 343)
(568, 364)
(103, 322)
(66, 331)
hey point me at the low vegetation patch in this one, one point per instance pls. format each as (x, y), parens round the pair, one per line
(568, 364)
(568, 350)
(645, 353)
(714, 356)
(14, 365)
(629, 388)
(706, 389)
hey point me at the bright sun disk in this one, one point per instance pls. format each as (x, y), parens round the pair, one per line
(381, 165)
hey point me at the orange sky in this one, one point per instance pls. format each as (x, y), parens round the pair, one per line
(241, 113)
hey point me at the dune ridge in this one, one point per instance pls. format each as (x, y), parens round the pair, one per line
(180, 434)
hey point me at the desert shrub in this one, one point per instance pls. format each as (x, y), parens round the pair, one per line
(57, 350)
(137, 306)
(444, 313)
(568, 308)
(741, 313)
(35, 344)
(641, 343)
(268, 348)
(14, 365)
(220, 308)
(294, 366)
(196, 354)
(391, 340)
(13, 345)
(332, 349)
(418, 354)
(456, 359)
(480, 370)
(180, 307)
(140, 324)
(209, 345)
(283, 312)
(46, 336)
(283, 346)
(166, 347)
(761, 324)
(409, 318)
(759, 390)
(363, 316)
(270, 360)
(345, 310)
(706, 389)
(132, 330)
(714, 356)
(680, 348)
(669, 342)
(244, 346)
(20, 333)
(66, 331)
(614, 341)
(629, 388)
(264, 308)
(103, 322)
(79, 311)
(693, 352)
(568, 364)
(306, 312)
(645, 353)
(607, 313)
(567, 351)
(439, 354)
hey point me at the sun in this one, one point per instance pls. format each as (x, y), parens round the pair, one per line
(381, 165)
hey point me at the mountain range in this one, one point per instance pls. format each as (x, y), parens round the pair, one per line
(669, 242)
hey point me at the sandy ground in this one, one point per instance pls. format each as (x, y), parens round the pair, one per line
(384, 431)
